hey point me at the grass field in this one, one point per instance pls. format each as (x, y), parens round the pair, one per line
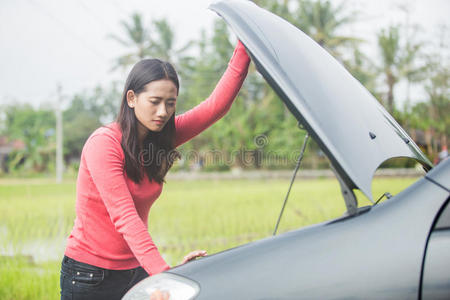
(36, 216)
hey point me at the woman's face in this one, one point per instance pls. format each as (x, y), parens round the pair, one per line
(155, 105)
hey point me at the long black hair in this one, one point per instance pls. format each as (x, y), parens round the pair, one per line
(156, 154)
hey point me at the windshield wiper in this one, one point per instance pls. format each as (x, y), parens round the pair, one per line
(300, 157)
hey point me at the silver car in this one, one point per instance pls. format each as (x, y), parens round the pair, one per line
(397, 249)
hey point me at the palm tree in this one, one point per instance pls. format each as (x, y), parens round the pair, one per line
(389, 45)
(156, 40)
(137, 38)
(364, 69)
(318, 19)
(162, 46)
(321, 21)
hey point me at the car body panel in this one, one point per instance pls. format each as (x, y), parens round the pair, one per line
(375, 255)
(436, 274)
(436, 278)
(332, 105)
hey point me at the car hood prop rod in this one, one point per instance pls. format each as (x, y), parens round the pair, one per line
(300, 157)
(349, 196)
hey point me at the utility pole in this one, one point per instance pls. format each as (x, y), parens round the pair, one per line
(59, 136)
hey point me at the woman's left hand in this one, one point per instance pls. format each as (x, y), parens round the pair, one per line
(193, 255)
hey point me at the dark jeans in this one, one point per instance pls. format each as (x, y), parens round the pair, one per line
(83, 281)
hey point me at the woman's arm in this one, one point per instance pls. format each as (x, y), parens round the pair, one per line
(194, 121)
(105, 162)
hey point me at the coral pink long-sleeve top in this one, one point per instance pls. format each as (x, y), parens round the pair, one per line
(111, 225)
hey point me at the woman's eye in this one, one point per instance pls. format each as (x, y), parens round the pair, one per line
(171, 104)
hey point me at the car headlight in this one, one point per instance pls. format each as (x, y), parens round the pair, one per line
(179, 288)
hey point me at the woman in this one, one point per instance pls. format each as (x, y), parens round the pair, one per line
(121, 173)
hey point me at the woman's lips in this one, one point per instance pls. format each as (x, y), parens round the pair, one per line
(159, 122)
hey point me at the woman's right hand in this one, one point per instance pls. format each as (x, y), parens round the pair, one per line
(158, 295)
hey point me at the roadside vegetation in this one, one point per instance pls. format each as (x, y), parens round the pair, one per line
(404, 56)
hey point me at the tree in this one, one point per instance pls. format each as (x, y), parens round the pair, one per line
(35, 127)
(79, 123)
(319, 19)
(438, 90)
(322, 21)
(162, 44)
(389, 45)
(410, 70)
(154, 41)
(432, 115)
(87, 112)
(361, 67)
(137, 38)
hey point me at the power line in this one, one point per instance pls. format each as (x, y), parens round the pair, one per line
(66, 29)
(119, 8)
(93, 15)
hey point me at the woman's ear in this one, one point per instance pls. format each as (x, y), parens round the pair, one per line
(131, 98)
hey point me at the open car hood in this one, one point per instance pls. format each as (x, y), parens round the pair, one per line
(346, 121)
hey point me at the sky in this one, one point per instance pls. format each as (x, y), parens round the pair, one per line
(49, 42)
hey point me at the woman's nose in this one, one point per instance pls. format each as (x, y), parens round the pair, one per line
(162, 111)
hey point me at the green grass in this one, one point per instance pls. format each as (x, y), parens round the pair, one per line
(36, 216)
